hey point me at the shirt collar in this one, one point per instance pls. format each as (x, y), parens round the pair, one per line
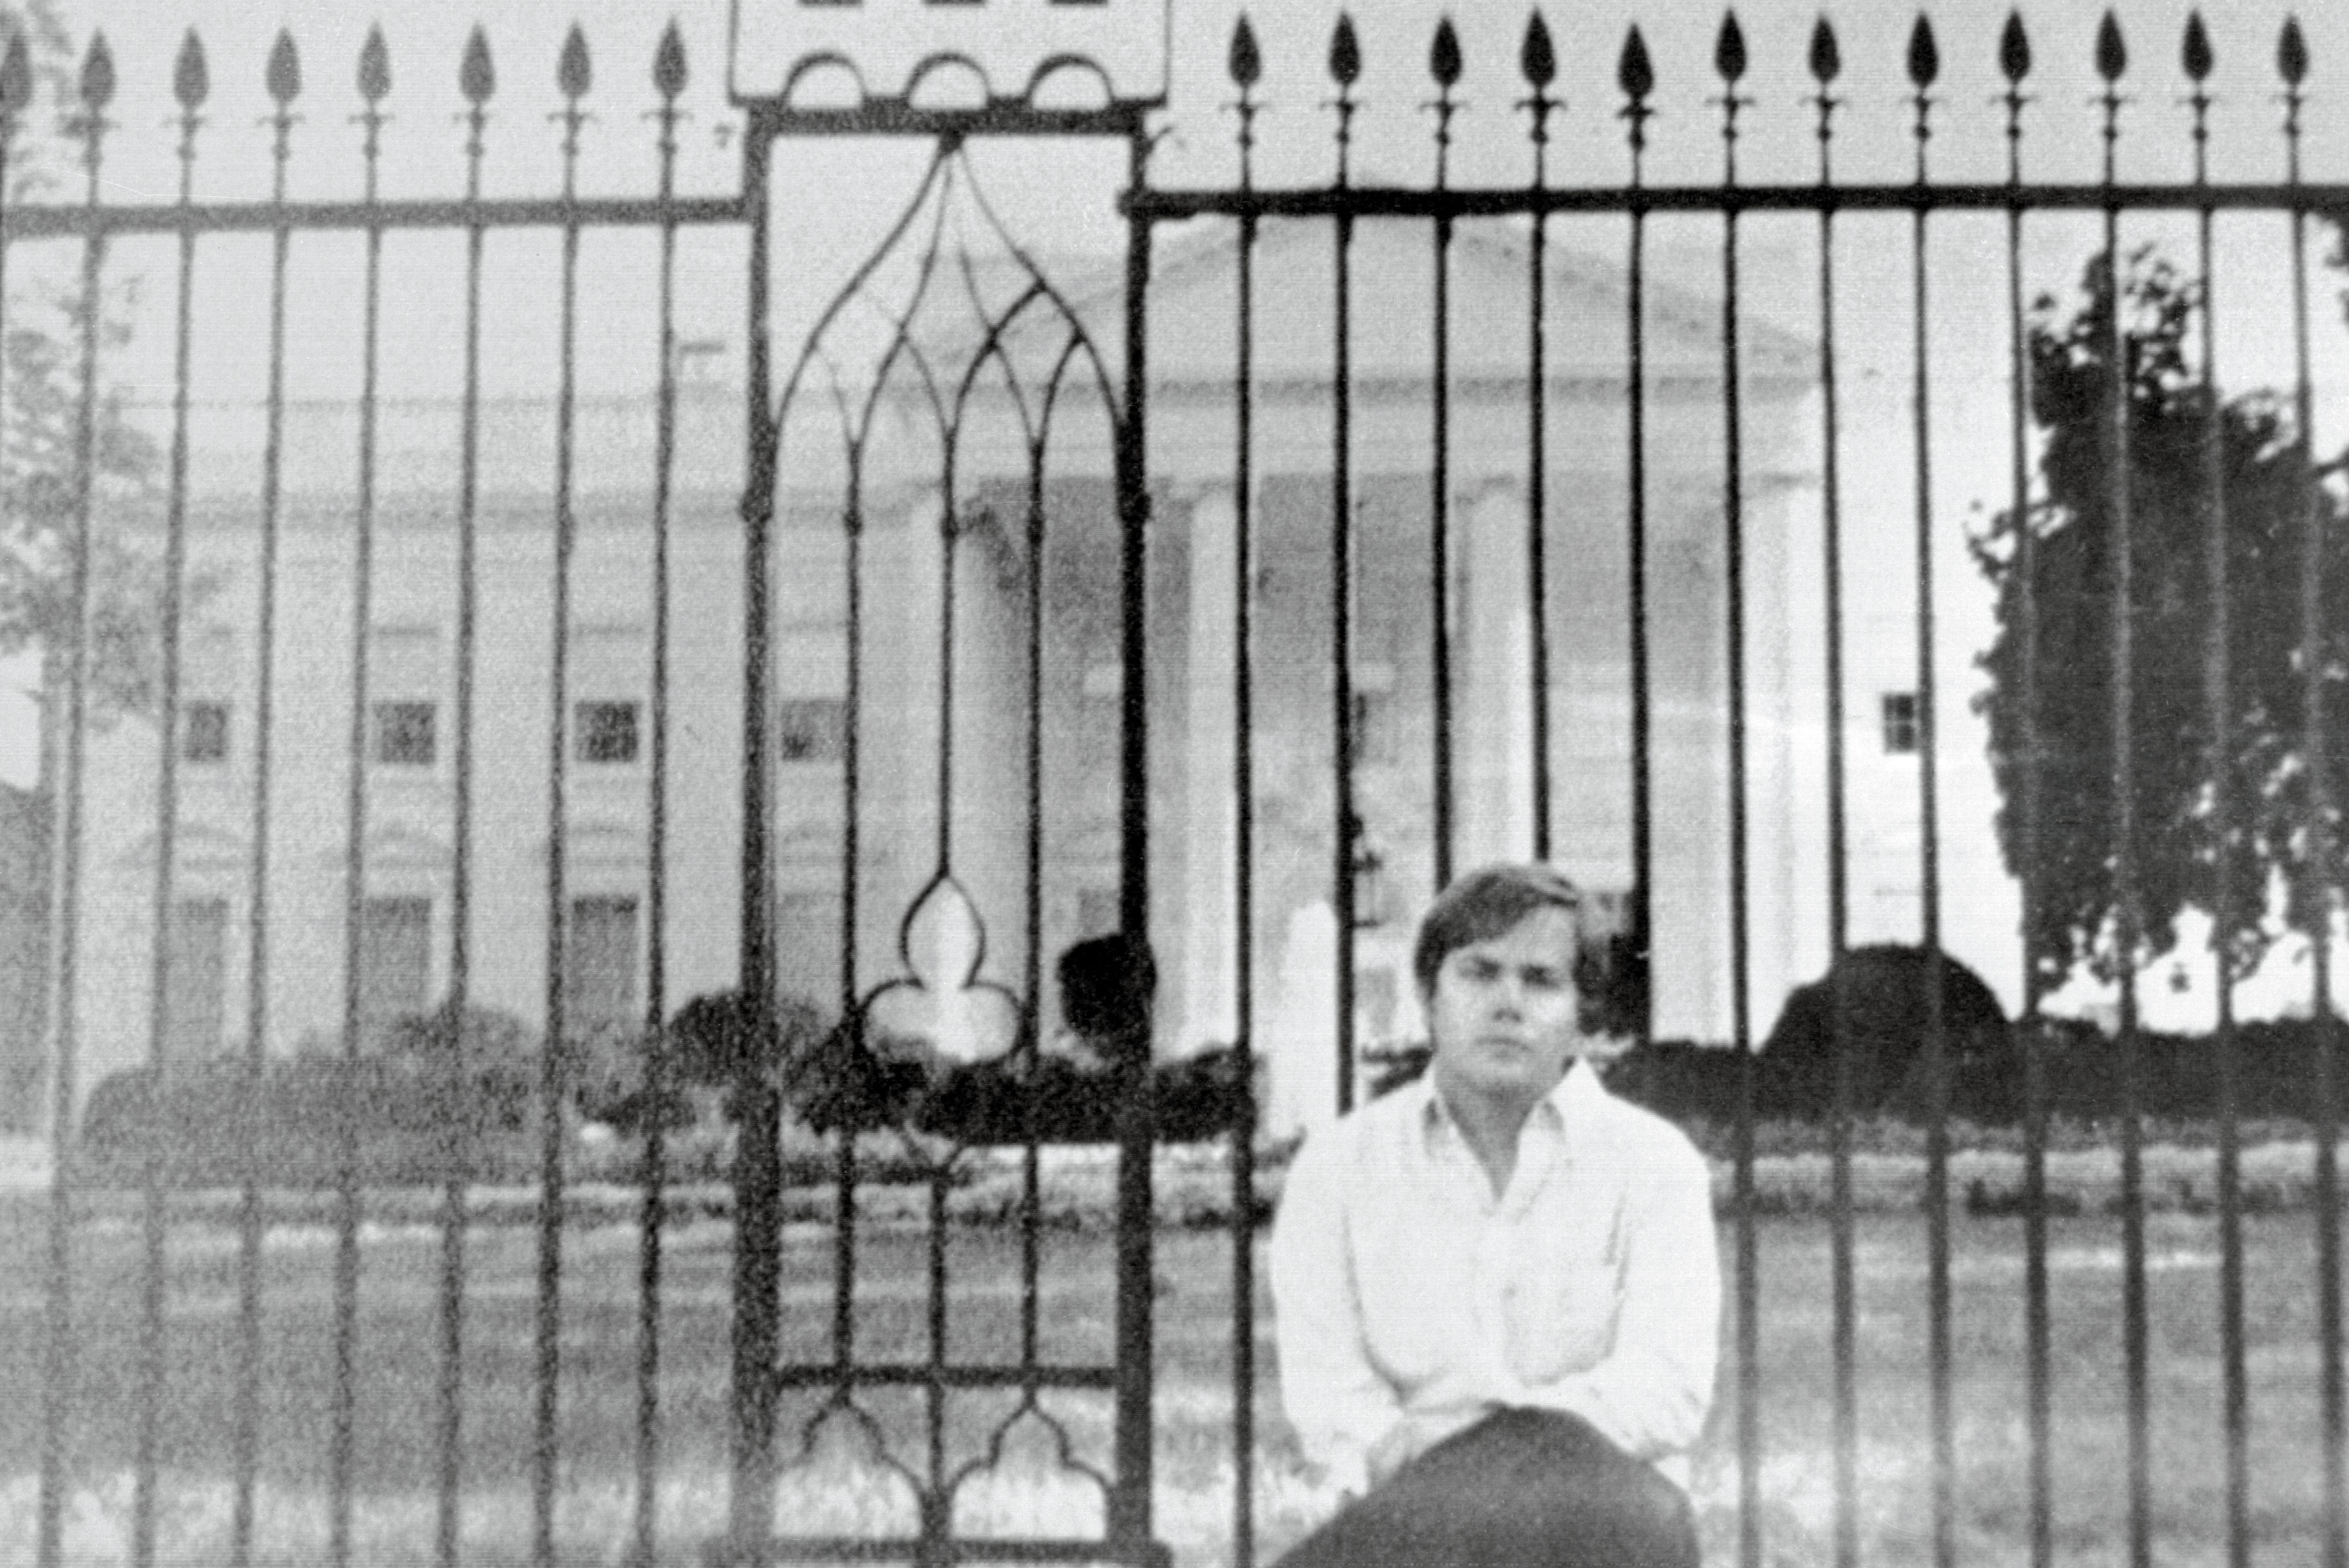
(1564, 1108)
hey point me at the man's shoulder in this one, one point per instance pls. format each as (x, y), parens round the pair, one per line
(1654, 1140)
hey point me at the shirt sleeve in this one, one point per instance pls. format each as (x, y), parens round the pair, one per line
(1650, 1394)
(1337, 1400)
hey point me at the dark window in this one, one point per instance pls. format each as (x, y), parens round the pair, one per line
(812, 730)
(606, 730)
(404, 735)
(395, 957)
(1900, 728)
(196, 989)
(203, 732)
(600, 982)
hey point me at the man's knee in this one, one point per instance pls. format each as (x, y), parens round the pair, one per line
(1656, 1526)
(1622, 1512)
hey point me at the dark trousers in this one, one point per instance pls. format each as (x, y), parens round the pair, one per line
(1521, 1489)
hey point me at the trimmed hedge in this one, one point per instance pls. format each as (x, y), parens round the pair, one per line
(2083, 1071)
(296, 1122)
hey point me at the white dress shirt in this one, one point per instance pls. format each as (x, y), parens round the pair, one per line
(1404, 1286)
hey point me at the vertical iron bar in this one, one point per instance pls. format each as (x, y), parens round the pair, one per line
(1130, 1502)
(669, 75)
(2128, 921)
(937, 1524)
(343, 1420)
(447, 1522)
(2015, 63)
(153, 1387)
(1439, 567)
(844, 1225)
(2219, 698)
(1349, 831)
(2322, 877)
(60, 1367)
(1732, 60)
(946, 529)
(245, 1444)
(1846, 1303)
(1636, 114)
(547, 1360)
(1922, 65)
(1538, 472)
(1244, 862)
(758, 1256)
(1031, 1183)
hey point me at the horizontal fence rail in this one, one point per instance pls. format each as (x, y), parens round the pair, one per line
(552, 808)
(1390, 202)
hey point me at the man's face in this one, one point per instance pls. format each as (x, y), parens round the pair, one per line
(1503, 1010)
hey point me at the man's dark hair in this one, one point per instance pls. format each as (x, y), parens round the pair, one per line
(1483, 905)
(1487, 902)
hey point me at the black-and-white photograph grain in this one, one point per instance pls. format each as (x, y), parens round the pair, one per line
(1188, 784)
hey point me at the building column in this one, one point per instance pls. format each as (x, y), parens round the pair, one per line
(1496, 701)
(1210, 919)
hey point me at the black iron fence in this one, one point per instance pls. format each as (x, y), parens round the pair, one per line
(1566, 545)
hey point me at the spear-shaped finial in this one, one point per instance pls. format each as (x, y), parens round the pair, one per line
(375, 69)
(1633, 72)
(1826, 58)
(573, 73)
(2112, 54)
(2195, 54)
(1444, 55)
(1537, 56)
(2013, 51)
(1924, 56)
(1345, 68)
(2291, 54)
(1637, 78)
(1729, 49)
(1345, 53)
(283, 76)
(476, 77)
(190, 82)
(1243, 60)
(97, 75)
(669, 63)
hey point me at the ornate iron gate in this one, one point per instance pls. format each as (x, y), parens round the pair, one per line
(1000, 81)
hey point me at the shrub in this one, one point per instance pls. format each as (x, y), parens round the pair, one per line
(2276, 1065)
(296, 1121)
(608, 1069)
(1887, 994)
(715, 1040)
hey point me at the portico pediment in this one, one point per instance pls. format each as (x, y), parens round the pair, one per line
(1391, 295)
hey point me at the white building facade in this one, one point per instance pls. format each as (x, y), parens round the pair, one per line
(981, 819)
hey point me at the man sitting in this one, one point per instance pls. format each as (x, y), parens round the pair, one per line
(1496, 1293)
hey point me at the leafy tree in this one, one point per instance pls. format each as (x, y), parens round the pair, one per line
(40, 385)
(2270, 487)
(47, 312)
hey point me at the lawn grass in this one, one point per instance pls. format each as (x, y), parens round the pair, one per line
(836, 1484)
